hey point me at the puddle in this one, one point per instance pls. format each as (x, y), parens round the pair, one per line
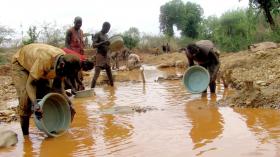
(179, 124)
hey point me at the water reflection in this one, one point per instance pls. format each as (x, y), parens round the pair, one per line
(265, 125)
(27, 147)
(207, 122)
(117, 127)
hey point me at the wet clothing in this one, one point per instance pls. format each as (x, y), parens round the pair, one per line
(208, 58)
(74, 40)
(102, 59)
(69, 51)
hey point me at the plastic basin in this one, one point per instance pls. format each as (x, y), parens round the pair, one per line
(84, 93)
(116, 43)
(196, 79)
(56, 115)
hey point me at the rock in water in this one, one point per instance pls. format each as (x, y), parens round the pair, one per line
(8, 138)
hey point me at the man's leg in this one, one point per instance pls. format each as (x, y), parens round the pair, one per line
(117, 63)
(96, 75)
(205, 66)
(212, 84)
(109, 74)
(20, 76)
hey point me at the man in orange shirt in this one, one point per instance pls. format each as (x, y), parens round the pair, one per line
(74, 37)
(75, 45)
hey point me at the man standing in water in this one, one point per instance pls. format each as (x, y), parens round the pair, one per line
(100, 41)
(75, 45)
(74, 37)
(205, 54)
(38, 69)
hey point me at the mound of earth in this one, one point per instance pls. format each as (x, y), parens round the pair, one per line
(166, 60)
(255, 76)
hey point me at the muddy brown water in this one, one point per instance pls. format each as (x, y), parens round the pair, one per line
(179, 124)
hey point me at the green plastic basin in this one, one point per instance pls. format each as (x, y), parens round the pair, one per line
(56, 115)
(196, 79)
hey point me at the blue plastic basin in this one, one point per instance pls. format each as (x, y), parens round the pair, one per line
(196, 79)
(56, 115)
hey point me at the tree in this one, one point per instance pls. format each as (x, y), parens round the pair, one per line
(131, 37)
(233, 32)
(208, 28)
(52, 35)
(190, 20)
(32, 34)
(5, 34)
(267, 6)
(186, 17)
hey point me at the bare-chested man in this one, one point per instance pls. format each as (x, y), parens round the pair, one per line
(100, 41)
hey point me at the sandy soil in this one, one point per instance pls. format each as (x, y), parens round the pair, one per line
(255, 76)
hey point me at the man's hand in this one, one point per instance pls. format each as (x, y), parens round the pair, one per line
(73, 112)
(81, 87)
(73, 91)
(37, 110)
(106, 42)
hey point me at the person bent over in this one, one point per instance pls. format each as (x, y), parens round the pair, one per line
(205, 54)
(38, 69)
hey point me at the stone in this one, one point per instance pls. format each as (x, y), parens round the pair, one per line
(261, 83)
(8, 138)
(262, 46)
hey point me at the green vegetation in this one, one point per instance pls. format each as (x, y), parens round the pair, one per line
(267, 7)
(233, 31)
(185, 16)
(237, 29)
(131, 37)
(32, 34)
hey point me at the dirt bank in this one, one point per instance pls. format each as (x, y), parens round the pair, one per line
(165, 60)
(255, 76)
(7, 90)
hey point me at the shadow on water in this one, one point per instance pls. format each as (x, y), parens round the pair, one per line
(178, 124)
(208, 124)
